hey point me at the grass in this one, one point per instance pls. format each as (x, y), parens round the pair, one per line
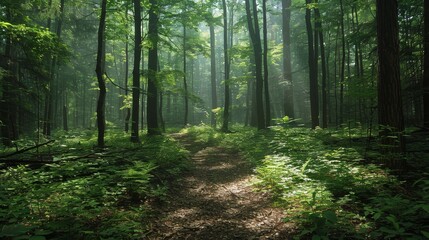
(87, 194)
(330, 184)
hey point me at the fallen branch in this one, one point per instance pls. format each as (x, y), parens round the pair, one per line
(27, 149)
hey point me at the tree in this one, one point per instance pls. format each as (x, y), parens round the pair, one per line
(288, 107)
(152, 89)
(226, 108)
(426, 67)
(390, 113)
(136, 72)
(312, 64)
(255, 37)
(213, 73)
(100, 71)
(318, 26)
(265, 59)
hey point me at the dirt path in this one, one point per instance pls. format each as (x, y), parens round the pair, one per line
(215, 201)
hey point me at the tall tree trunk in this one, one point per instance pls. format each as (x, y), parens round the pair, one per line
(255, 37)
(265, 59)
(213, 73)
(64, 86)
(343, 63)
(318, 25)
(152, 90)
(185, 82)
(287, 61)
(426, 67)
(226, 63)
(100, 70)
(136, 72)
(127, 63)
(312, 64)
(390, 113)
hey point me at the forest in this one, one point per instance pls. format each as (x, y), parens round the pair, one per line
(214, 119)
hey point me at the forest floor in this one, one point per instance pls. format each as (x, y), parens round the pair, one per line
(215, 200)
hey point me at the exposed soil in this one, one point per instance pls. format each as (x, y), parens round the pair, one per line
(215, 200)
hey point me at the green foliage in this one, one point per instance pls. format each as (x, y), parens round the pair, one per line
(84, 194)
(325, 185)
(36, 42)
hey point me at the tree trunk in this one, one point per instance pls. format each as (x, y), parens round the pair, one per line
(185, 82)
(426, 67)
(226, 63)
(101, 119)
(318, 26)
(213, 73)
(287, 61)
(312, 64)
(265, 59)
(127, 63)
(255, 37)
(390, 113)
(136, 72)
(152, 90)
(343, 63)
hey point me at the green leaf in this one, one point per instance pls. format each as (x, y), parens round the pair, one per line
(425, 207)
(42, 232)
(14, 230)
(426, 234)
(37, 238)
(330, 216)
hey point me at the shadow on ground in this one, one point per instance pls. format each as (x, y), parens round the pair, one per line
(215, 201)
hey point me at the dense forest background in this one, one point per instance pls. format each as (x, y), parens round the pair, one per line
(306, 79)
(49, 53)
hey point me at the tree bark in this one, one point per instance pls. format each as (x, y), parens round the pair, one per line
(265, 59)
(226, 63)
(426, 67)
(100, 70)
(185, 82)
(390, 113)
(255, 37)
(136, 73)
(312, 64)
(343, 63)
(318, 26)
(213, 73)
(152, 89)
(288, 107)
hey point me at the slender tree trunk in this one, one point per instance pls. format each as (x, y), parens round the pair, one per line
(185, 81)
(136, 72)
(152, 90)
(265, 59)
(127, 65)
(312, 70)
(213, 73)
(343, 63)
(426, 67)
(226, 62)
(100, 70)
(318, 26)
(255, 37)
(390, 113)
(287, 61)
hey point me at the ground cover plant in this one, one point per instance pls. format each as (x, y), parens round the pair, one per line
(80, 192)
(330, 184)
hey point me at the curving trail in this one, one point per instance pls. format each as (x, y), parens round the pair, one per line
(215, 201)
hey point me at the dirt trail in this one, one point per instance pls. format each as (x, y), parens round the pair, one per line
(215, 201)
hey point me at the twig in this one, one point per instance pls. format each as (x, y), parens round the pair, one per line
(27, 149)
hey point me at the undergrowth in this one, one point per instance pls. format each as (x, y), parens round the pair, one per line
(79, 192)
(326, 184)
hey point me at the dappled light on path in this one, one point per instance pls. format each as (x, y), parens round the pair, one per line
(216, 201)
